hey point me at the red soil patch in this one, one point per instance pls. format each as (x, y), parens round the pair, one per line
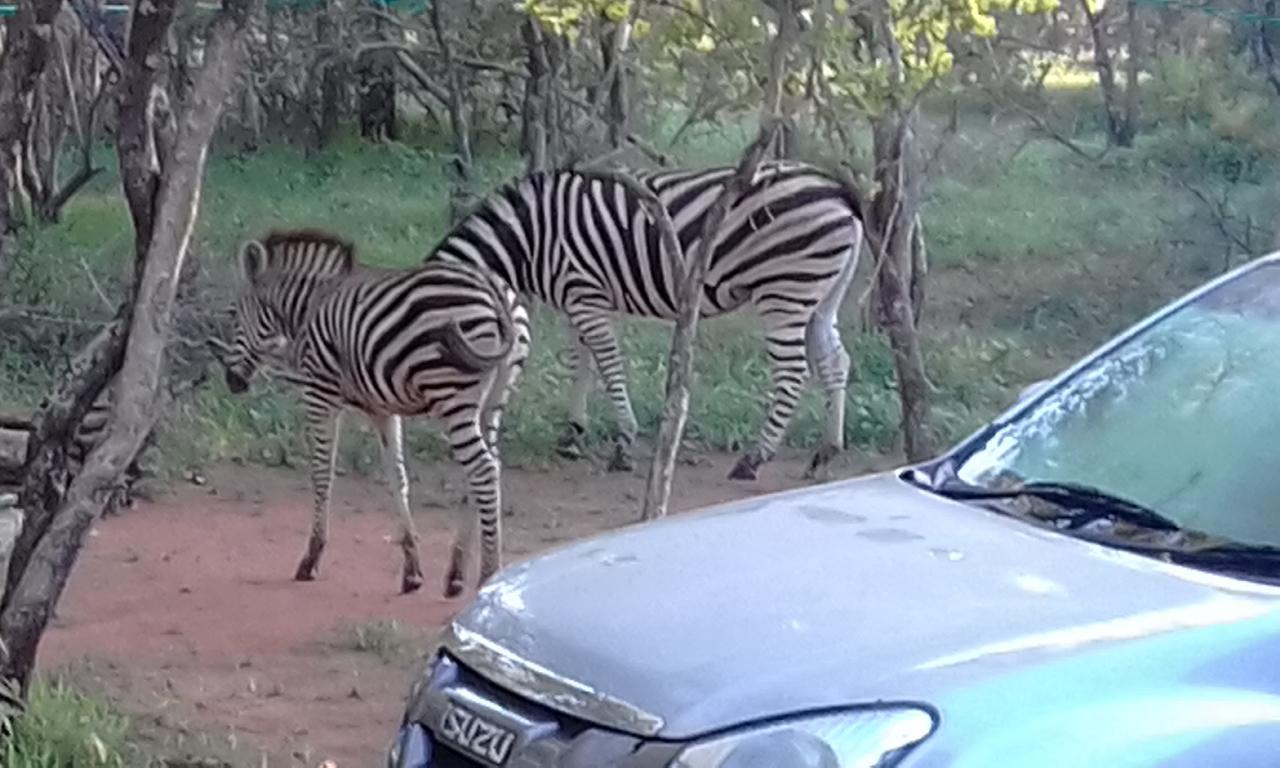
(186, 612)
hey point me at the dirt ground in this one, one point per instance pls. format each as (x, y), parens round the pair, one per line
(182, 610)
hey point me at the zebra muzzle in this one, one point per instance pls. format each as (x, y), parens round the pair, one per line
(236, 383)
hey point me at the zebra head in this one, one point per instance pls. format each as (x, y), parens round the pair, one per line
(259, 331)
(279, 275)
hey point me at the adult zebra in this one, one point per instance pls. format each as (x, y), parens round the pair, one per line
(584, 244)
(390, 343)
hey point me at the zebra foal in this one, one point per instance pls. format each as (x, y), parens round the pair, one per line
(584, 244)
(447, 341)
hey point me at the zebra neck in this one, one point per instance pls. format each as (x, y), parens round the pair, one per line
(296, 301)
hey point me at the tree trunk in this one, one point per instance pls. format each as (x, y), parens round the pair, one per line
(377, 78)
(613, 52)
(45, 475)
(533, 127)
(894, 215)
(552, 117)
(457, 107)
(919, 271)
(331, 77)
(1266, 41)
(74, 91)
(57, 112)
(675, 407)
(13, 454)
(142, 146)
(1132, 70)
(141, 142)
(164, 240)
(27, 44)
(1119, 130)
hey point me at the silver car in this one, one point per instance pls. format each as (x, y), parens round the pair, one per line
(1089, 580)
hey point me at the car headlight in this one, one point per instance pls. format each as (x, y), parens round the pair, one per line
(412, 745)
(864, 738)
(412, 748)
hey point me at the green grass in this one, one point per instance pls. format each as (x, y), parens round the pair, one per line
(1036, 255)
(1040, 204)
(64, 728)
(387, 639)
(69, 724)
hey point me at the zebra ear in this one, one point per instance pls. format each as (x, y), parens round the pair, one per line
(253, 260)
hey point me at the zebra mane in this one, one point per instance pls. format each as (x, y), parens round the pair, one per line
(314, 251)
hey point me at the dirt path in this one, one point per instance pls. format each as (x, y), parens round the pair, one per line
(183, 609)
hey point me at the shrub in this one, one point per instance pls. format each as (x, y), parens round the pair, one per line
(62, 728)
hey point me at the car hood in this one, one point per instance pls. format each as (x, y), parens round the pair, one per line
(846, 593)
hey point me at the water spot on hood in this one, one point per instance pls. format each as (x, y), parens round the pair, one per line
(889, 535)
(950, 555)
(607, 557)
(829, 515)
(1038, 585)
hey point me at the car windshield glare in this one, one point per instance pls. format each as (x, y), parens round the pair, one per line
(1183, 418)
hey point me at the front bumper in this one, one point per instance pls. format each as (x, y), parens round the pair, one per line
(457, 718)
(507, 731)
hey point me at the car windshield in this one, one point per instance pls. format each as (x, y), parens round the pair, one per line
(1183, 418)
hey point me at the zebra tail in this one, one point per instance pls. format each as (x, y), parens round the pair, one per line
(854, 198)
(463, 351)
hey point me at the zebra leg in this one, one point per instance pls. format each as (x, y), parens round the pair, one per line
(569, 445)
(391, 430)
(323, 427)
(495, 404)
(484, 478)
(597, 334)
(831, 363)
(784, 342)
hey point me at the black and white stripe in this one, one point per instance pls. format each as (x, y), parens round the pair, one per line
(442, 340)
(789, 247)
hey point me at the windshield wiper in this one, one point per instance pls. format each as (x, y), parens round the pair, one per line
(1251, 557)
(1082, 504)
(1070, 496)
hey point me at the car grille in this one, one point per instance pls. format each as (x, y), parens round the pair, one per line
(547, 736)
(445, 757)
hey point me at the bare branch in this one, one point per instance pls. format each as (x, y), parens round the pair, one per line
(39, 315)
(419, 74)
(1049, 130)
(488, 66)
(675, 409)
(91, 19)
(457, 110)
(97, 287)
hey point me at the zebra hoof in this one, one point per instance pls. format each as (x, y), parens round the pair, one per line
(411, 582)
(570, 451)
(621, 460)
(820, 464)
(306, 572)
(747, 468)
(569, 446)
(453, 587)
